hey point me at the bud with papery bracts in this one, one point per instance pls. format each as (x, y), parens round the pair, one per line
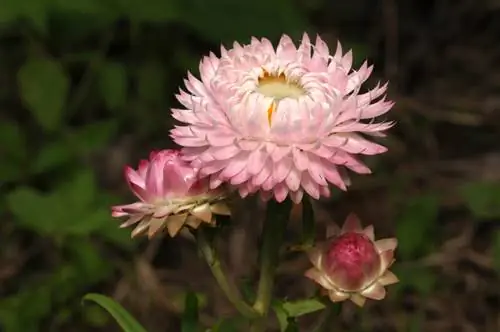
(352, 265)
(171, 196)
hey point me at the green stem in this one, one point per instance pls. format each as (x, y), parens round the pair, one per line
(272, 237)
(230, 290)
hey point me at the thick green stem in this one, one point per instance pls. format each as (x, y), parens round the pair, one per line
(272, 238)
(230, 290)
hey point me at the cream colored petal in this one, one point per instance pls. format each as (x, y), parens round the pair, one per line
(388, 278)
(202, 212)
(319, 278)
(193, 222)
(162, 211)
(369, 232)
(316, 256)
(351, 224)
(155, 226)
(386, 260)
(337, 296)
(220, 208)
(374, 292)
(358, 299)
(141, 227)
(386, 244)
(175, 223)
(132, 220)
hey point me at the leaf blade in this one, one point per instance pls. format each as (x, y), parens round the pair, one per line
(121, 316)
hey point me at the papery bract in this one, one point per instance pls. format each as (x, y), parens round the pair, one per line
(171, 195)
(280, 121)
(352, 265)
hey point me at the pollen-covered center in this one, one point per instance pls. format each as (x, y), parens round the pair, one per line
(278, 87)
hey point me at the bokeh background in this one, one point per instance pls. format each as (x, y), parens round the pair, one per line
(86, 87)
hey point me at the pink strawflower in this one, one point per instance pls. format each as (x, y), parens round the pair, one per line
(171, 195)
(352, 265)
(280, 121)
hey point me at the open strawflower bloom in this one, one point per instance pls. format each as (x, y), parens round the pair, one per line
(352, 265)
(170, 195)
(282, 121)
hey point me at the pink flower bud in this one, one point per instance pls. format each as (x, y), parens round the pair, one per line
(351, 265)
(170, 194)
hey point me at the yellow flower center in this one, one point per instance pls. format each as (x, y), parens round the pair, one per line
(277, 87)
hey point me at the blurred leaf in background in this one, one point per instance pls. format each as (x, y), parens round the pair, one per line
(44, 89)
(415, 225)
(482, 198)
(16, 151)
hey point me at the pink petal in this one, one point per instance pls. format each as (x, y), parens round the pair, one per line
(300, 159)
(256, 161)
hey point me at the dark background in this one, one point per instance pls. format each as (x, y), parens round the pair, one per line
(86, 87)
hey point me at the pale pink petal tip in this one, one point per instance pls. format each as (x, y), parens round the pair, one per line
(283, 121)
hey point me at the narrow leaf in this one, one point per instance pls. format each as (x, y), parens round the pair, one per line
(122, 317)
(190, 316)
(302, 307)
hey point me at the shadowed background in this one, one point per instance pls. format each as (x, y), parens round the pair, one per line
(86, 87)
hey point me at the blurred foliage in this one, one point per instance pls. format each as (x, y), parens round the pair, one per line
(81, 74)
(81, 91)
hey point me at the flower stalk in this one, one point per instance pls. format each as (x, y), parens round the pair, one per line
(273, 232)
(230, 290)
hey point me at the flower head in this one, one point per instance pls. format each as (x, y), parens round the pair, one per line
(351, 265)
(171, 195)
(280, 121)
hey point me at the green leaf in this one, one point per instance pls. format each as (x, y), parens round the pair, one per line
(51, 156)
(121, 316)
(14, 145)
(44, 88)
(94, 136)
(151, 78)
(9, 12)
(236, 20)
(88, 260)
(88, 222)
(14, 151)
(482, 198)
(302, 307)
(85, 7)
(413, 228)
(78, 193)
(113, 84)
(190, 315)
(34, 11)
(281, 315)
(29, 207)
(154, 11)
(419, 278)
(95, 316)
